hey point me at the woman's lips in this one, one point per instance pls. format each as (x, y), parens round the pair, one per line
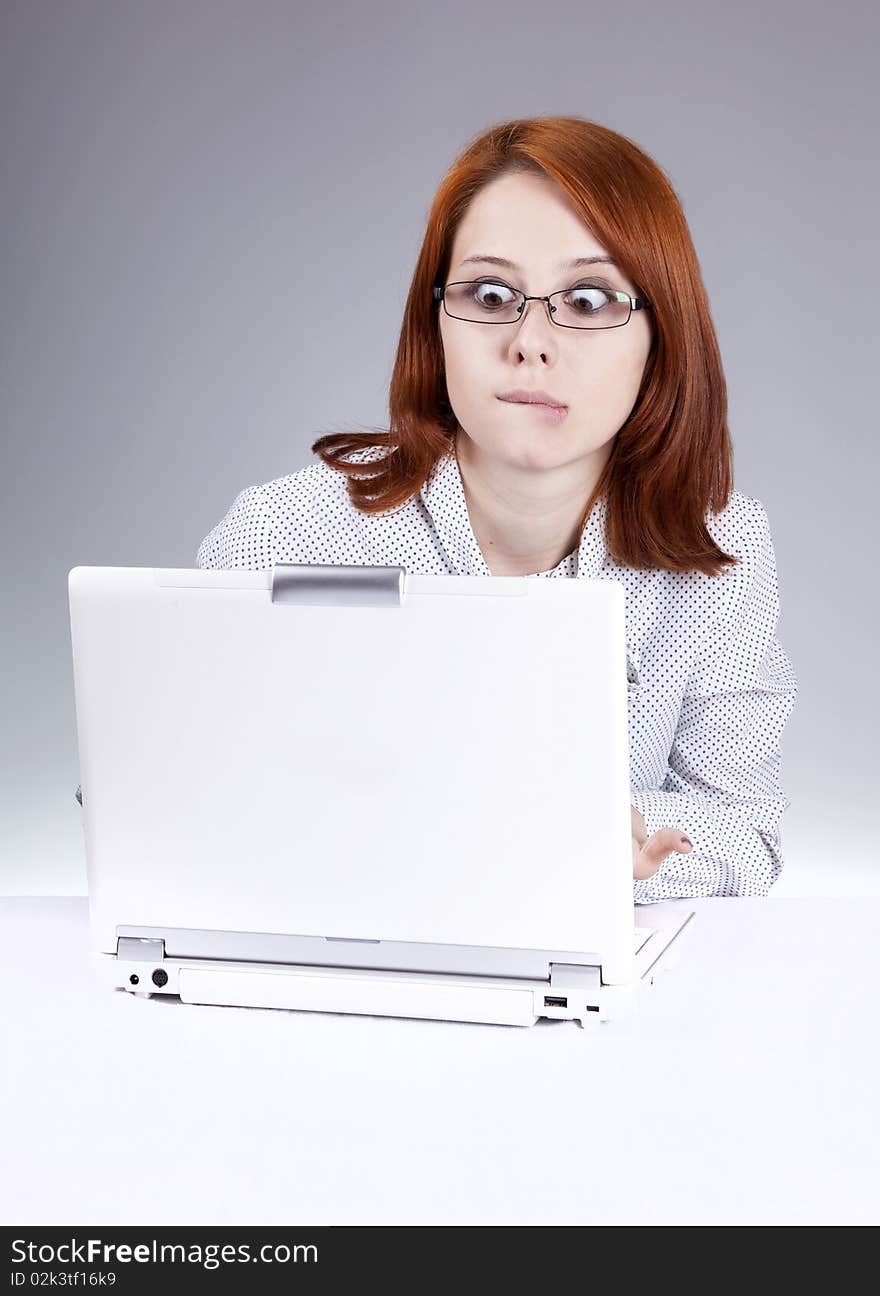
(555, 413)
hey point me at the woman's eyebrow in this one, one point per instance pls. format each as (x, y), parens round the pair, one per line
(563, 265)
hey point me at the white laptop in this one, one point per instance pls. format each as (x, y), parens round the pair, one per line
(355, 789)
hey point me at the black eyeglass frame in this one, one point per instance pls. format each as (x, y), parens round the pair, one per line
(635, 303)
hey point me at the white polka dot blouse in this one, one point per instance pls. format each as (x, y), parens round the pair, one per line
(709, 686)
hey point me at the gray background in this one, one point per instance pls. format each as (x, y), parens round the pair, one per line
(180, 180)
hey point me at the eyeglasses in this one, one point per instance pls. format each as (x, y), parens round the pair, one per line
(585, 306)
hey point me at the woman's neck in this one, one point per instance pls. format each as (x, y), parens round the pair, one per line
(524, 522)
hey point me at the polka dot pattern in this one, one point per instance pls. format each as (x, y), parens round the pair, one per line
(709, 686)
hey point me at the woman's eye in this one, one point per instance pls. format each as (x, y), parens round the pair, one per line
(490, 293)
(588, 298)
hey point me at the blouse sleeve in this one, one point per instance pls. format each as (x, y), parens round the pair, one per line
(722, 786)
(242, 538)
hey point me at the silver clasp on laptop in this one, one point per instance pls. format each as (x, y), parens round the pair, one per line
(330, 584)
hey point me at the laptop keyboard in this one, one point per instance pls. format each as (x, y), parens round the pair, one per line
(642, 934)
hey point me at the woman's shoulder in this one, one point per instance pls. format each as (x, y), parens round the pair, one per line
(742, 530)
(317, 480)
(314, 494)
(741, 527)
(301, 516)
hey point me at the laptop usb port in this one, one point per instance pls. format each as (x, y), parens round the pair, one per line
(554, 1001)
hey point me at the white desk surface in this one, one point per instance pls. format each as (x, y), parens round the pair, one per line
(745, 1092)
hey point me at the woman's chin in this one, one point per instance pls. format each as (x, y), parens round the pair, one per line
(536, 452)
(537, 449)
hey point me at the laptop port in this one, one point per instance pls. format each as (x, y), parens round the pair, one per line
(554, 1001)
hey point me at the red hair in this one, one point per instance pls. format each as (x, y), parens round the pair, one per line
(671, 461)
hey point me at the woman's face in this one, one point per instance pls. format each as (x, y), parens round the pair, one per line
(529, 220)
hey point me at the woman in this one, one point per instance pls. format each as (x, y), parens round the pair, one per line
(558, 408)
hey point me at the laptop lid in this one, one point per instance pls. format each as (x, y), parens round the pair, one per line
(355, 754)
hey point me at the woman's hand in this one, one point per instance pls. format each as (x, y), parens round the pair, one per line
(649, 851)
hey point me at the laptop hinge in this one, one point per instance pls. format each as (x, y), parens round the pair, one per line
(574, 976)
(331, 584)
(143, 948)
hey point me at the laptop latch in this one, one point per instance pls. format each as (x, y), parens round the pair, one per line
(332, 585)
(142, 948)
(574, 976)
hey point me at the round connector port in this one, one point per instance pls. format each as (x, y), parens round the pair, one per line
(160, 977)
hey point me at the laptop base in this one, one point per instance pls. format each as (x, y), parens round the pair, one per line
(572, 993)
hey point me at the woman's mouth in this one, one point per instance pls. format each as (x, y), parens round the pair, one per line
(553, 413)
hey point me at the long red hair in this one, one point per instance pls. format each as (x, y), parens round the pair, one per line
(671, 461)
